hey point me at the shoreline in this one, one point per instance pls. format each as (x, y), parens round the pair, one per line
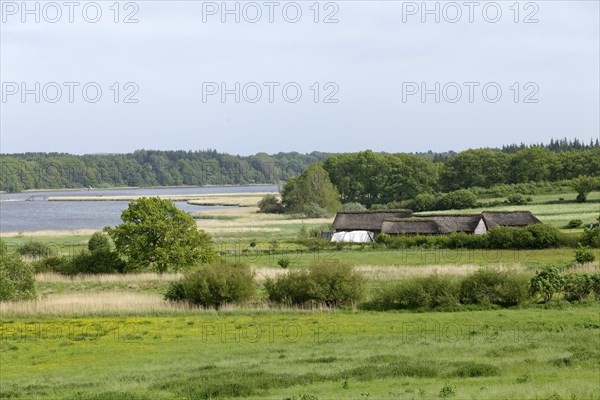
(83, 189)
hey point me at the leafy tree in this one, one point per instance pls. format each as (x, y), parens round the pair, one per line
(16, 278)
(547, 283)
(584, 185)
(312, 187)
(156, 235)
(481, 167)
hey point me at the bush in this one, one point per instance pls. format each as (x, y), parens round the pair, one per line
(574, 223)
(461, 240)
(595, 278)
(51, 264)
(33, 248)
(517, 199)
(270, 204)
(175, 291)
(578, 286)
(426, 292)
(545, 236)
(584, 255)
(330, 284)
(97, 262)
(99, 242)
(424, 202)
(16, 277)
(284, 262)
(314, 210)
(499, 237)
(487, 286)
(382, 238)
(352, 207)
(591, 237)
(456, 200)
(547, 283)
(217, 284)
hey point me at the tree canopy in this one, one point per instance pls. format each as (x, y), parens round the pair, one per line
(156, 235)
(313, 187)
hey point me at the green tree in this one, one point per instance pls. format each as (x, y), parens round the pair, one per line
(584, 185)
(156, 235)
(547, 283)
(16, 278)
(313, 187)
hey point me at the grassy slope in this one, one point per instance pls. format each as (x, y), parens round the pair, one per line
(529, 353)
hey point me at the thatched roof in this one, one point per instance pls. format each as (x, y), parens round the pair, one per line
(432, 224)
(456, 223)
(509, 218)
(366, 220)
(411, 226)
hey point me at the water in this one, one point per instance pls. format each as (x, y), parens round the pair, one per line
(18, 215)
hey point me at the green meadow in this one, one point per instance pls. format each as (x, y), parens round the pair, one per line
(534, 353)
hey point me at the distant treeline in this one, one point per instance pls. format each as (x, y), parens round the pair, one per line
(141, 168)
(366, 177)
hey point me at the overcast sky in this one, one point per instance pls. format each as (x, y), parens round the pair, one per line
(361, 78)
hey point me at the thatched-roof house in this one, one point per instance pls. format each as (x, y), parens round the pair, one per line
(401, 222)
(509, 218)
(371, 221)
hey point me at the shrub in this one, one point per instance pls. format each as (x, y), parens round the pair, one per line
(16, 277)
(460, 240)
(584, 255)
(574, 223)
(382, 238)
(216, 284)
(295, 287)
(99, 242)
(270, 204)
(314, 210)
(595, 283)
(97, 262)
(175, 291)
(414, 293)
(545, 236)
(516, 199)
(33, 248)
(330, 284)
(51, 264)
(578, 286)
(424, 202)
(499, 237)
(284, 262)
(456, 200)
(352, 207)
(591, 237)
(547, 283)
(487, 286)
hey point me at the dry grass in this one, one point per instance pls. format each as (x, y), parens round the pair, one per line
(99, 303)
(248, 219)
(117, 303)
(52, 233)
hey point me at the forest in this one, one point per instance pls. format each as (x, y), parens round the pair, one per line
(379, 177)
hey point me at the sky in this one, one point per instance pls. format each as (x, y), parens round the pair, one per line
(342, 76)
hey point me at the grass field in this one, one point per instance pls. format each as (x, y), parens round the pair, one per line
(114, 337)
(521, 354)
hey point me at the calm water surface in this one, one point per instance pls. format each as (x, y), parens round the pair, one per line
(19, 215)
